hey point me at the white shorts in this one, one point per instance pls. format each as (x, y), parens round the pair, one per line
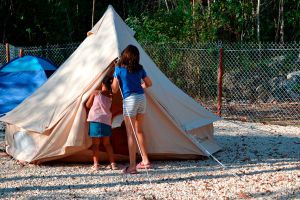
(134, 104)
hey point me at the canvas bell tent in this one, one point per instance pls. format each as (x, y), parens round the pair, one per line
(51, 124)
(20, 78)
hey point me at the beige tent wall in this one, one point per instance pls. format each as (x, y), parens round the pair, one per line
(51, 101)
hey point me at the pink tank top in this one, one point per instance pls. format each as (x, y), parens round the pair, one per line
(100, 110)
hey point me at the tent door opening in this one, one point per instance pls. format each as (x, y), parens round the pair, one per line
(118, 139)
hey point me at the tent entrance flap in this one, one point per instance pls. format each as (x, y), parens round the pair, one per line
(119, 134)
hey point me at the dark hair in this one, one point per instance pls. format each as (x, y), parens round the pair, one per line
(130, 59)
(107, 81)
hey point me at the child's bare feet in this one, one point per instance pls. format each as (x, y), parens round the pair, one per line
(112, 166)
(95, 167)
(141, 165)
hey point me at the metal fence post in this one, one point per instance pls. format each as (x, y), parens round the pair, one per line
(7, 52)
(20, 52)
(220, 81)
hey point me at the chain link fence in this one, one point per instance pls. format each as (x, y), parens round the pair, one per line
(261, 82)
(2, 55)
(193, 68)
(56, 53)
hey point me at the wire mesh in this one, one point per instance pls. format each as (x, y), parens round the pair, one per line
(193, 68)
(261, 82)
(55, 53)
(2, 55)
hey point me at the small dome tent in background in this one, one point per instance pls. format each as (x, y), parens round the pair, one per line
(20, 78)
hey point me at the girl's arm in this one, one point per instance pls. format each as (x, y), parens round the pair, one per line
(147, 82)
(90, 101)
(115, 85)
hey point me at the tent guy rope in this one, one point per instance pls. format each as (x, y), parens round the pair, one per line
(219, 162)
(206, 151)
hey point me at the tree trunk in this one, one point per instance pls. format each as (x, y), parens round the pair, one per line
(193, 9)
(242, 32)
(167, 5)
(208, 5)
(124, 9)
(93, 12)
(282, 23)
(258, 21)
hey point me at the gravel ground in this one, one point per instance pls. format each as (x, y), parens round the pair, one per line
(262, 162)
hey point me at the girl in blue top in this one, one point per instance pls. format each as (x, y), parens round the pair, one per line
(129, 75)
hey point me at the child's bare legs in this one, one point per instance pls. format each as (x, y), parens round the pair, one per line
(140, 136)
(131, 143)
(96, 152)
(109, 151)
(137, 123)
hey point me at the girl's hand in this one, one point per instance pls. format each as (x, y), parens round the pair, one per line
(115, 85)
(96, 92)
(90, 100)
(147, 82)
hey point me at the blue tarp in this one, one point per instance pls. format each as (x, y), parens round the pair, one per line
(20, 78)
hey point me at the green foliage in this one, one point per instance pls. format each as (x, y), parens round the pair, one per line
(163, 26)
(38, 22)
(292, 19)
(223, 20)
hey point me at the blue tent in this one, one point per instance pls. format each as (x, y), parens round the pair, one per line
(20, 78)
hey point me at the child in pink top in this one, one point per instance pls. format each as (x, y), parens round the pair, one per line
(99, 118)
